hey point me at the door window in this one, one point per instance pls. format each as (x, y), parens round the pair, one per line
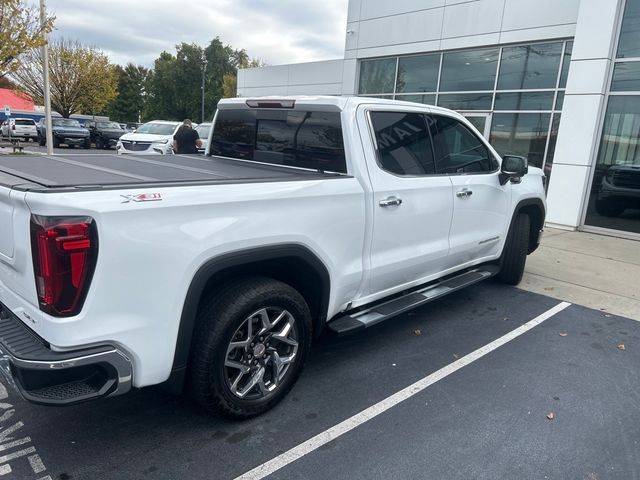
(457, 149)
(404, 146)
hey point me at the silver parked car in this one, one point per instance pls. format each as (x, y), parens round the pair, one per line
(19, 128)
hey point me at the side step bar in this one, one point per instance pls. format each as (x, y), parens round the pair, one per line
(353, 322)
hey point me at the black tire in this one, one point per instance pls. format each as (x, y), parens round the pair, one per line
(220, 320)
(514, 255)
(610, 207)
(56, 143)
(42, 141)
(87, 144)
(99, 143)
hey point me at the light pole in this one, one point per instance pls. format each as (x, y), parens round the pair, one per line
(45, 67)
(204, 69)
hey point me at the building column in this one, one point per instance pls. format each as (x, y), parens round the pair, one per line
(583, 109)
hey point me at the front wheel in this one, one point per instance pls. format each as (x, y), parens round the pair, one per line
(250, 345)
(514, 255)
(42, 141)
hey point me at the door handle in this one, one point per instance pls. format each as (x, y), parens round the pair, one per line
(465, 192)
(390, 202)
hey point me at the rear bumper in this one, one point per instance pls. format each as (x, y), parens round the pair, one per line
(47, 377)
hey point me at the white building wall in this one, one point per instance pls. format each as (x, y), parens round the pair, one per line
(314, 78)
(382, 27)
(584, 104)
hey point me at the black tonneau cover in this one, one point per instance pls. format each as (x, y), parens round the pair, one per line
(98, 171)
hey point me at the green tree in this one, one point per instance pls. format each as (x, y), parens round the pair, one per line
(230, 80)
(81, 78)
(20, 32)
(174, 85)
(127, 106)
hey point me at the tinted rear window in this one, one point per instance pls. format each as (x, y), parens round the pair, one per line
(282, 137)
(29, 123)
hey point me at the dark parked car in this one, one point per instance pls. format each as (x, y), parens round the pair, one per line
(619, 190)
(64, 130)
(104, 134)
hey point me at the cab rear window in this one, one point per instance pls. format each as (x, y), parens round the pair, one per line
(306, 139)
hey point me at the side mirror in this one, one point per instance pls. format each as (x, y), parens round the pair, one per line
(513, 168)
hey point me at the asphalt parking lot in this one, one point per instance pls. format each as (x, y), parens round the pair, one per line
(489, 419)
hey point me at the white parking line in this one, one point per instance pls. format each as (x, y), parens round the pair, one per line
(367, 414)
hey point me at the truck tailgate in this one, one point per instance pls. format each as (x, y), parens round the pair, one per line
(17, 284)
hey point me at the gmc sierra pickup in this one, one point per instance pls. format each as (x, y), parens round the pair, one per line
(216, 272)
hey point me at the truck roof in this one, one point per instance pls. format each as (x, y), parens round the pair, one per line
(316, 101)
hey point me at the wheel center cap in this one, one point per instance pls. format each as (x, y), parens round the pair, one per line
(259, 350)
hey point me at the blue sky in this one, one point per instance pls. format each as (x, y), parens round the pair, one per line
(277, 31)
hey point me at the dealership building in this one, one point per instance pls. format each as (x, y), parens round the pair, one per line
(557, 81)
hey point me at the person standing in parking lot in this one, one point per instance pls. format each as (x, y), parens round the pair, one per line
(186, 140)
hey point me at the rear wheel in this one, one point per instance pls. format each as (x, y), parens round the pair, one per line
(41, 141)
(99, 143)
(87, 144)
(514, 255)
(251, 342)
(56, 143)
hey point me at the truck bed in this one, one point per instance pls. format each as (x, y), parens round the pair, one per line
(111, 171)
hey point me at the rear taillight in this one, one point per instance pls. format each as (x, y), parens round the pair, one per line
(64, 250)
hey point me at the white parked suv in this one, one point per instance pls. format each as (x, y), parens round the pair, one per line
(19, 128)
(305, 214)
(152, 138)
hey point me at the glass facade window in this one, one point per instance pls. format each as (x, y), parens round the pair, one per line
(418, 74)
(615, 192)
(465, 101)
(521, 134)
(530, 66)
(524, 101)
(522, 79)
(629, 44)
(626, 77)
(551, 150)
(469, 70)
(377, 76)
(566, 62)
(426, 99)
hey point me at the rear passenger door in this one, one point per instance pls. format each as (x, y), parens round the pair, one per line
(412, 207)
(480, 203)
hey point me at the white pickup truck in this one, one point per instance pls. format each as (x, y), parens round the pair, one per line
(216, 272)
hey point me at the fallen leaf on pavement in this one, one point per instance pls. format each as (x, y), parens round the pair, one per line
(621, 346)
(455, 355)
(551, 416)
(563, 334)
(549, 289)
(505, 319)
(417, 332)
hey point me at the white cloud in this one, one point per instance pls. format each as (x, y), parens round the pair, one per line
(277, 31)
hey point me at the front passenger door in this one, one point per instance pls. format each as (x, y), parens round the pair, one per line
(480, 203)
